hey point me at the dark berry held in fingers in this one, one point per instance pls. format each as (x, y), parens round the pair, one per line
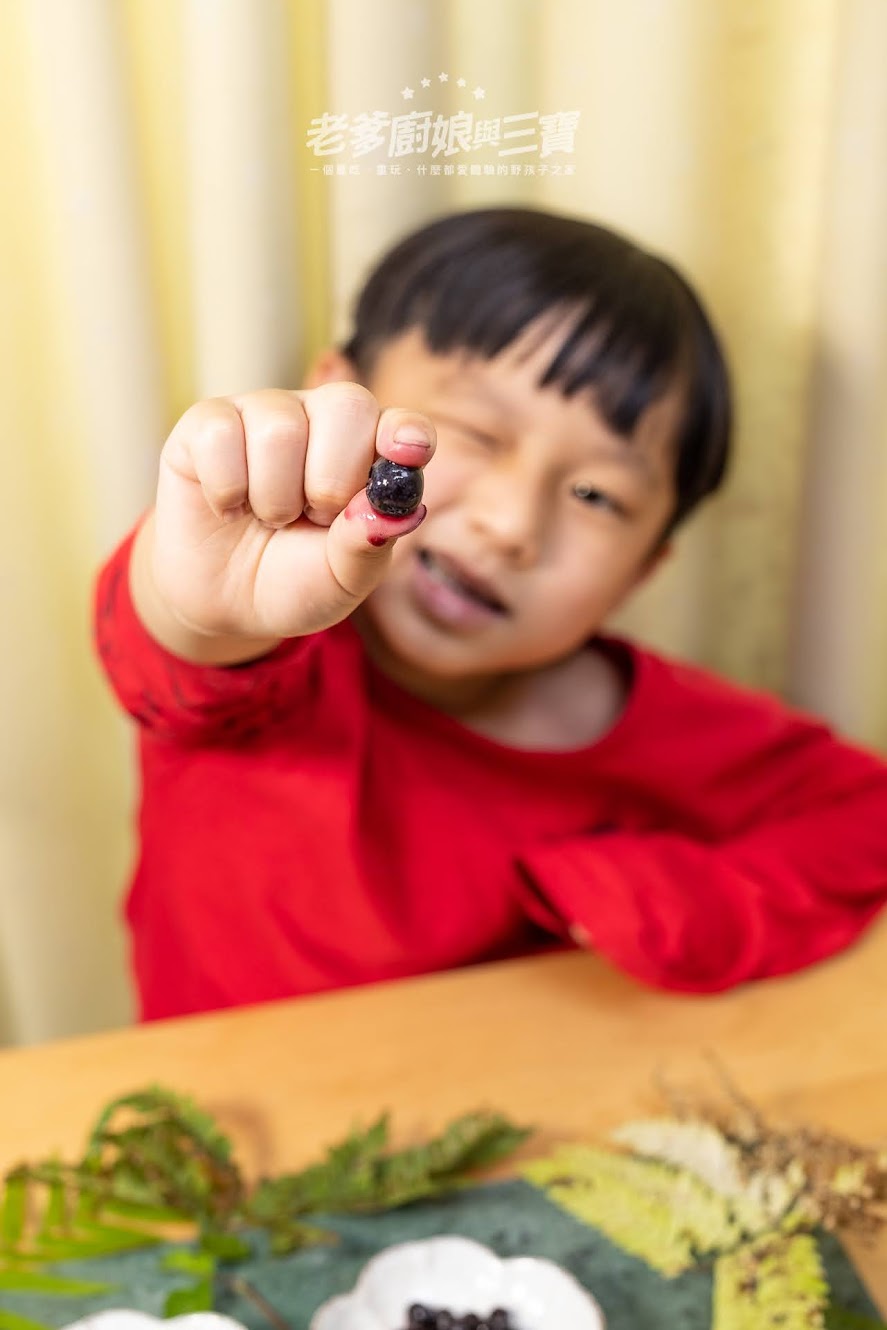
(393, 489)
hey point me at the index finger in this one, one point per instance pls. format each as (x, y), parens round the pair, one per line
(346, 434)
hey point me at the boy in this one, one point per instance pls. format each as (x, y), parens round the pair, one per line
(373, 747)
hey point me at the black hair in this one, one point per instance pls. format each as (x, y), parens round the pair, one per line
(475, 280)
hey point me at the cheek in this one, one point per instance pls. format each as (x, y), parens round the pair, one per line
(583, 588)
(446, 477)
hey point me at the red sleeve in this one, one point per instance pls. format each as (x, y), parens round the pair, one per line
(799, 880)
(175, 699)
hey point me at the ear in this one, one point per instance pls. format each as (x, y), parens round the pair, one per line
(330, 366)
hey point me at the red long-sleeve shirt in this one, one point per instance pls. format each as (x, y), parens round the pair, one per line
(306, 824)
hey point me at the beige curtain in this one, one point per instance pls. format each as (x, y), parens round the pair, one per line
(166, 233)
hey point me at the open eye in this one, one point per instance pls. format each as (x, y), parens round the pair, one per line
(597, 498)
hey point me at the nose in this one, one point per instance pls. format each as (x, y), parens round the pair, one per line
(507, 509)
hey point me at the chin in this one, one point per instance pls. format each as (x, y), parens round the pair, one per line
(421, 646)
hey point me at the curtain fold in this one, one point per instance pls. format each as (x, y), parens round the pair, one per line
(839, 643)
(169, 234)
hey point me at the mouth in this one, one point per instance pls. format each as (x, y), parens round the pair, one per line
(455, 576)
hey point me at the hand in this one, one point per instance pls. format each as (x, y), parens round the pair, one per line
(262, 526)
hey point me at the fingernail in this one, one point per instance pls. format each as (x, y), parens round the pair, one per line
(412, 434)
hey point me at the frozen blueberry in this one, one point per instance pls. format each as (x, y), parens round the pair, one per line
(499, 1320)
(394, 489)
(420, 1316)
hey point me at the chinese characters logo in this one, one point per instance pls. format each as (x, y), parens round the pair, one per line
(426, 142)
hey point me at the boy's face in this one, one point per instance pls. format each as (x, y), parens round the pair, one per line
(531, 498)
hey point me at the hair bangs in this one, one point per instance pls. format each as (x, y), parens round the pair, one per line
(628, 362)
(479, 281)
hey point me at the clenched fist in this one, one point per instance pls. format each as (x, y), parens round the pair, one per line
(262, 528)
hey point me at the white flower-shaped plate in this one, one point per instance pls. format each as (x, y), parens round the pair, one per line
(462, 1276)
(120, 1318)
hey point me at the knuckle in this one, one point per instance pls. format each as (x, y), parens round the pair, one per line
(216, 433)
(275, 504)
(225, 496)
(328, 495)
(275, 431)
(194, 423)
(352, 399)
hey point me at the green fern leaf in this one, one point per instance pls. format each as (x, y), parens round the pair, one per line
(358, 1176)
(12, 1321)
(161, 1105)
(666, 1217)
(758, 1200)
(13, 1209)
(774, 1283)
(32, 1281)
(55, 1212)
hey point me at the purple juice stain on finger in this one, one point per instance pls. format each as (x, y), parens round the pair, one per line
(393, 489)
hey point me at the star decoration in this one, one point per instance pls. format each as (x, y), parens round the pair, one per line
(460, 83)
(442, 78)
(406, 93)
(479, 94)
(426, 83)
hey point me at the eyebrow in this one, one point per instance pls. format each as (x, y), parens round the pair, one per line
(623, 451)
(631, 456)
(477, 386)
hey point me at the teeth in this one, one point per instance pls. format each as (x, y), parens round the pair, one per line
(430, 562)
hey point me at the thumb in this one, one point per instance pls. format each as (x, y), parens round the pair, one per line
(360, 541)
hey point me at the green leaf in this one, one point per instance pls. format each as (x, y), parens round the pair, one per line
(12, 1321)
(55, 1214)
(153, 1158)
(665, 1216)
(98, 1240)
(774, 1283)
(225, 1246)
(293, 1236)
(146, 1214)
(475, 1140)
(836, 1318)
(195, 1298)
(13, 1209)
(191, 1262)
(159, 1105)
(32, 1281)
(759, 1199)
(357, 1176)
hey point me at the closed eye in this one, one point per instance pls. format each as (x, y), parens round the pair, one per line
(598, 499)
(479, 435)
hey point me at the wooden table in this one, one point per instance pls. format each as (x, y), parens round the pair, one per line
(561, 1041)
